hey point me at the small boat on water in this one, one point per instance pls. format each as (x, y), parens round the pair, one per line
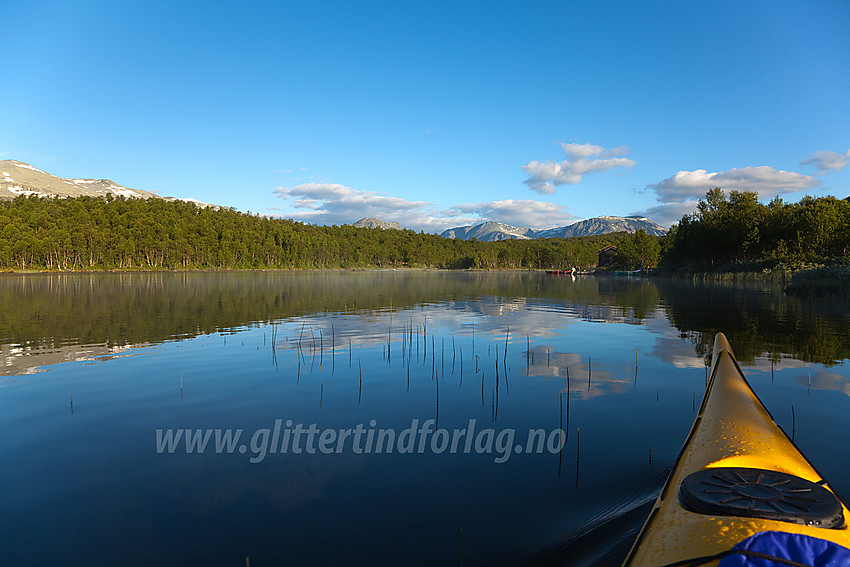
(741, 492)
(568, 272)
(626, 272)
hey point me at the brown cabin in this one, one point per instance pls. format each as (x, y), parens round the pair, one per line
(606, 256)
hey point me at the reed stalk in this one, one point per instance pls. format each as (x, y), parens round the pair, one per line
(578, 440)
(560, 427)
(433, 358)
(568, 406)
(482, 389)
(793, 423)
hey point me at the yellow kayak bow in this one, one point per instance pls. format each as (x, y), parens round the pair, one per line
(738, 475)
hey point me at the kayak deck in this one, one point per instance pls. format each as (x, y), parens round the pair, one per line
(732, 429)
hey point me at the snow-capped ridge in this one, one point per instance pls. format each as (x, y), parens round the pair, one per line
(490, 231)
(18, 178)
(372, 222)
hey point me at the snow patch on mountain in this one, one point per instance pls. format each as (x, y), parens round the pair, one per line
(491, 231)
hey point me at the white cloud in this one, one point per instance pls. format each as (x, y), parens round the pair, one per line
(679, 194)
(330, 203)
(668, 214)
(828, 161)
(582, 159)
(764, 180)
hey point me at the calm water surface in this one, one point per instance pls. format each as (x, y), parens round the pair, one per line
(102, 373)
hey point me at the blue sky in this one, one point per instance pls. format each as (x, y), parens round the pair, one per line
(433, 114)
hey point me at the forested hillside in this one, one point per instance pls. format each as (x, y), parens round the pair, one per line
(117, 233)
(738, 231)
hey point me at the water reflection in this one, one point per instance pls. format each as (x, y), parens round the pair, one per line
(582, 378)
(674, 346)
(621, 361)
(823, 380)
(759, 320)
(19, 359)
(46, 318)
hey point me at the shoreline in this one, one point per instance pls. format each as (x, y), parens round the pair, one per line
(222, 270)
(830, 276)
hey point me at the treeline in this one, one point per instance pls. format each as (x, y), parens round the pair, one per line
(733, 232)
(738, 232)
(125, 234)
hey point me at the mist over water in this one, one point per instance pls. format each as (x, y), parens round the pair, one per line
(95, 364)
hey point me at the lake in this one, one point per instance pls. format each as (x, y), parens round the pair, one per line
(377, 418)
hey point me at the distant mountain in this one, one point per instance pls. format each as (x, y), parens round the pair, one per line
(604, 225)
(18, 178)
(372, 222)
(491, 231)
